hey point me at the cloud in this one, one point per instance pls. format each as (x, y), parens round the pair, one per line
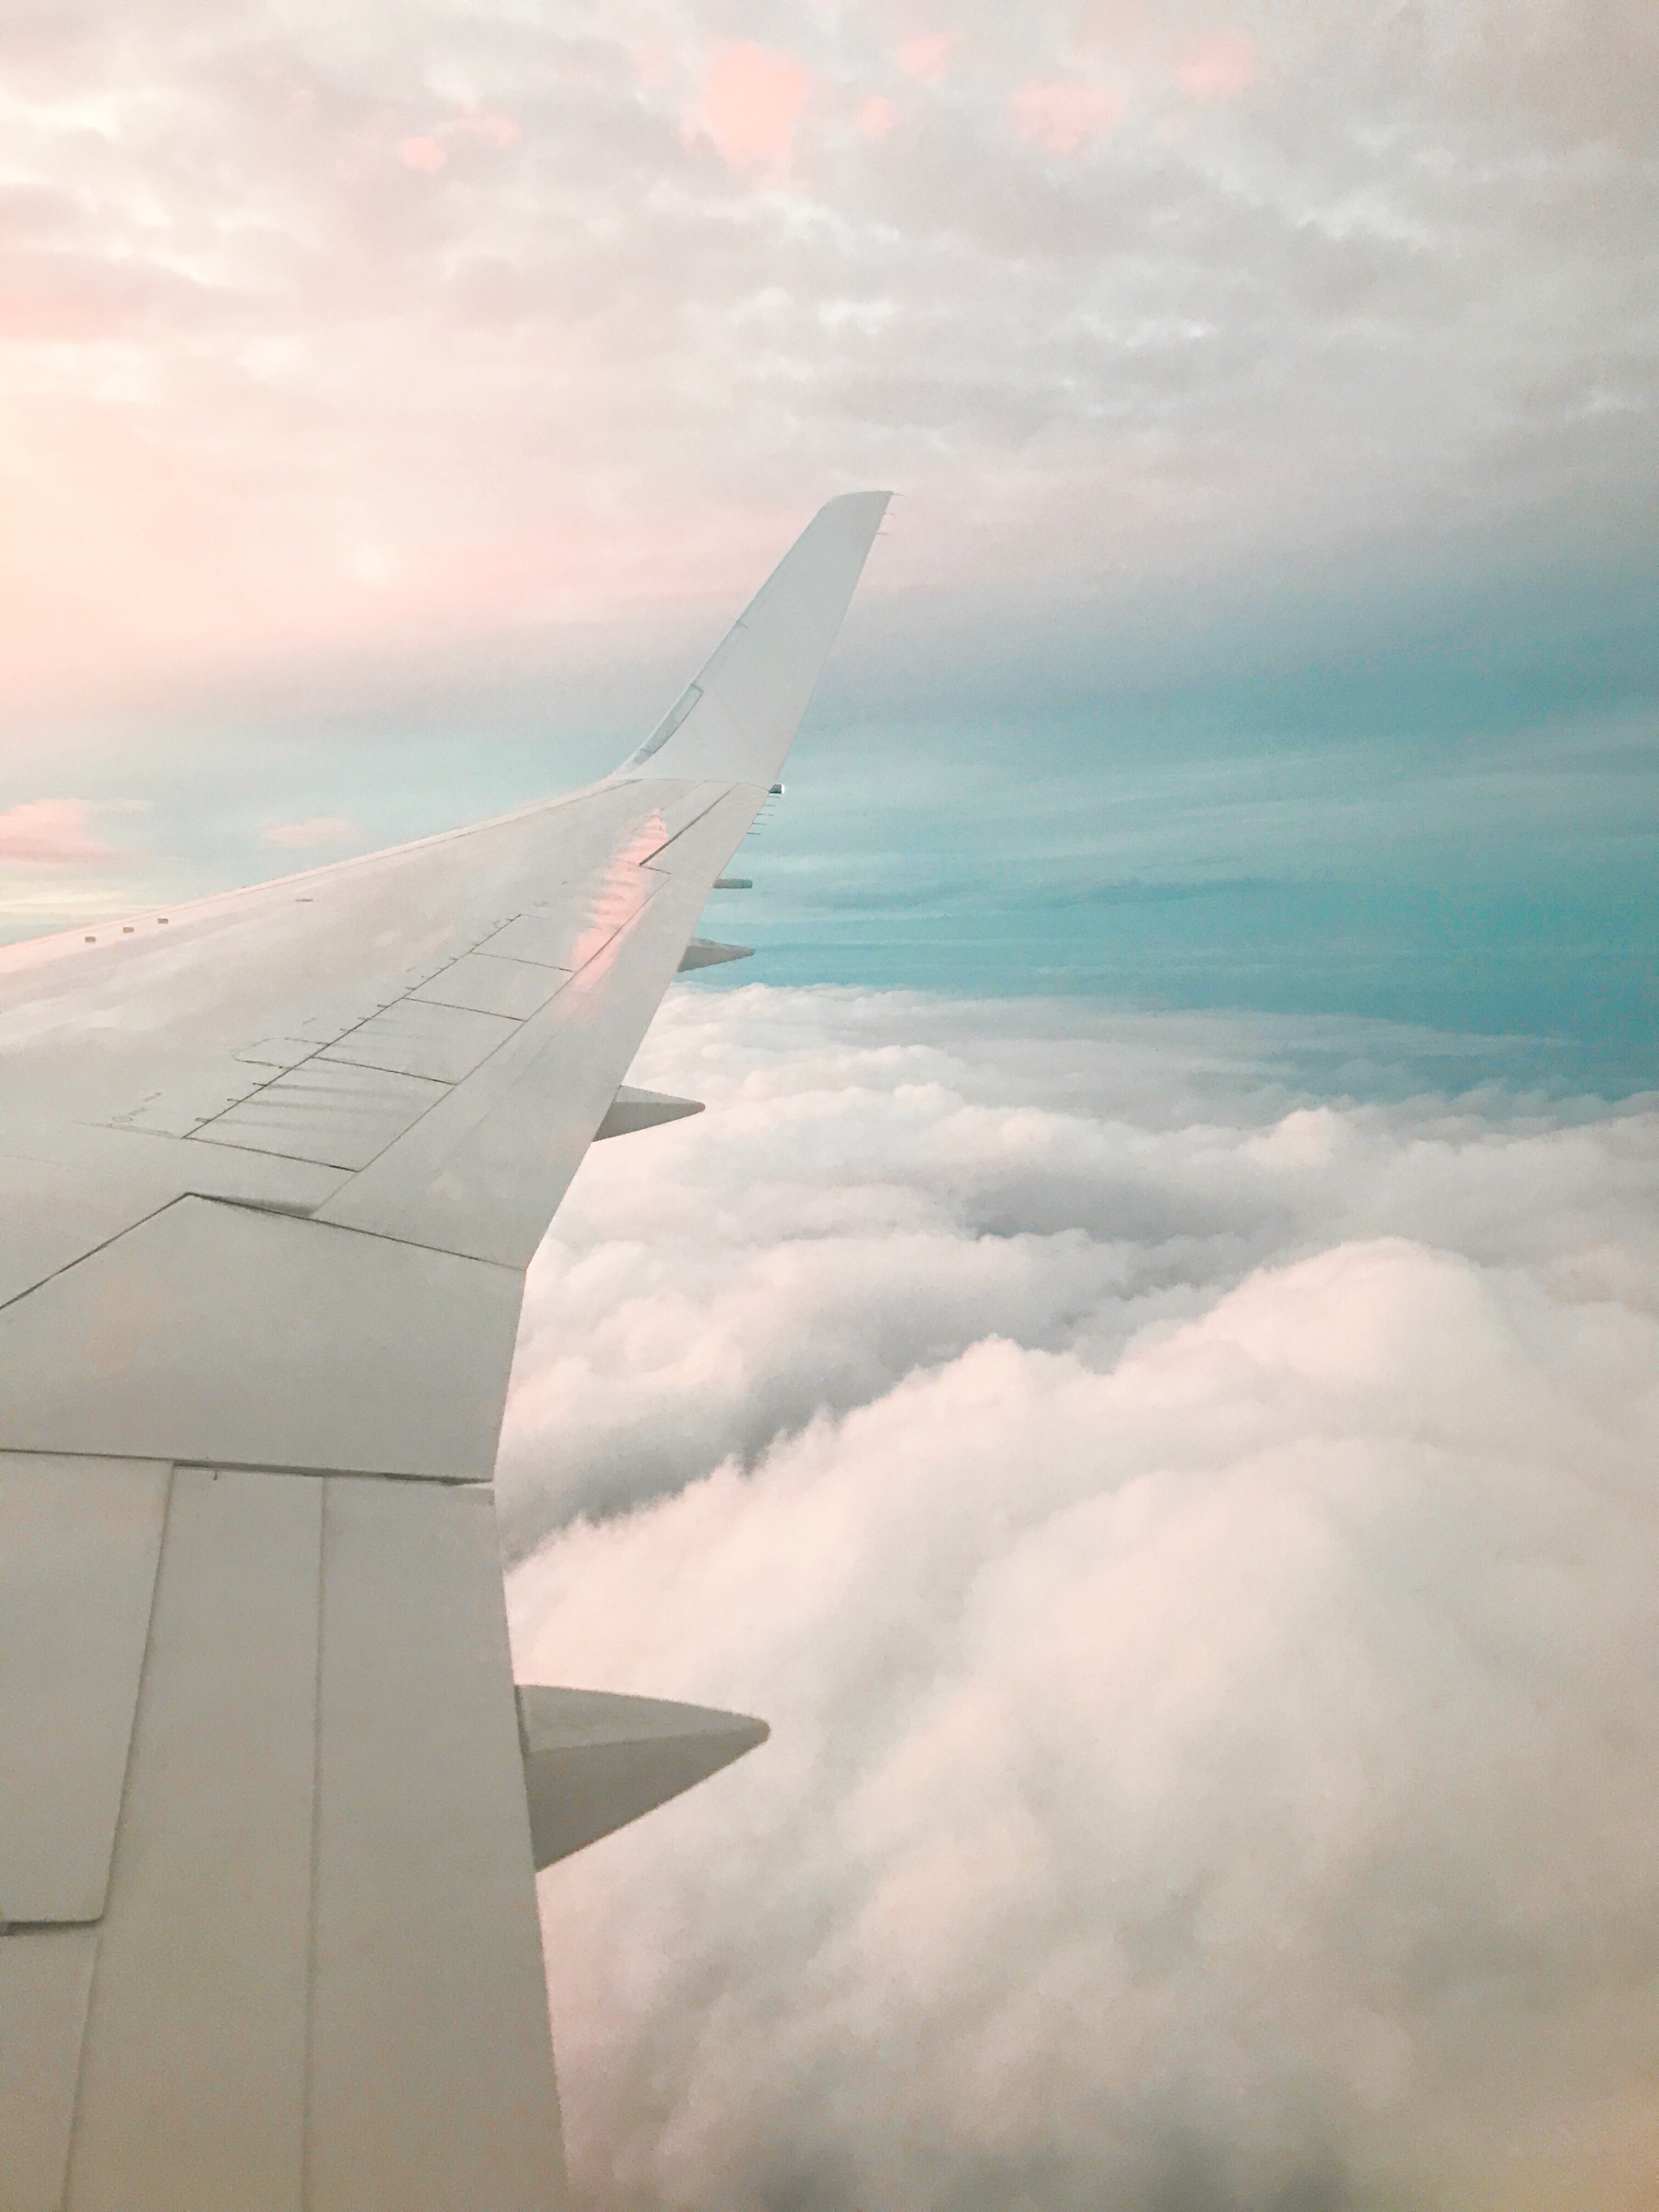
(748, 106)
(877, 115)
(423, 154)
(319, 829)
(1063, 115)
(1219, 69)
(1390, 302)
(427, 153)
(655, 62)
(52, 833)
(1191, 1536)
(488, 127)
(927, 57)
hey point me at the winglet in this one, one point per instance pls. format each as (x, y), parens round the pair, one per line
(737, 721)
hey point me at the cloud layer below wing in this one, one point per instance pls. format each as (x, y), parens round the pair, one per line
(1193, 1544)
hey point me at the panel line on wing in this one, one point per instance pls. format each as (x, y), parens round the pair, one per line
(318, 1982)
(263, 1339)
(482, 1173)
(489, 982)
(418, 1037)
(78, 1546)
(87, 1252)
(199, 1991)
(646, 858)
(348, 1119)
(309, 2031)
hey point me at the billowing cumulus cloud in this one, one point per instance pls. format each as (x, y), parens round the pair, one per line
(1189, 1520)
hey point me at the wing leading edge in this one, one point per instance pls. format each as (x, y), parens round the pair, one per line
(271, 1169)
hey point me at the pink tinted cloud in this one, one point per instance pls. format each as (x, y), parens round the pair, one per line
(653, 65)
(1063, 115)
(427, 153)
(488, 125)
(318, 830)
(877, 116)
(1112, 23)
(1221, 69)
(50, 833)
(747, 108)
(926, 59)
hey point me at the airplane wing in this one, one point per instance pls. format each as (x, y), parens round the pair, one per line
(272, 1166)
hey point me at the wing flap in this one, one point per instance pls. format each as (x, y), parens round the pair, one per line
(230, 1334)
(317, 1982)
(431, 2080)
(192, 2090)
(78, 1546)
(45, 1977)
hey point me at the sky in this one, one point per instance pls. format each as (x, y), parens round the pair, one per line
(396, 402)
(1139, 1373)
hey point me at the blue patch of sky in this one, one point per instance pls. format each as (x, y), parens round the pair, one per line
(1490, 886)
(1440, 811)
(1457, 830)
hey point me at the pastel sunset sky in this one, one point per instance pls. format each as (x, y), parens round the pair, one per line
(1146, 1371)
(395, 400)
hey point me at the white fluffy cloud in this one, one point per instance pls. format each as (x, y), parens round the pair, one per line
(1193, 1544)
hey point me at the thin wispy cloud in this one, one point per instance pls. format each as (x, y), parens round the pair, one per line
(51, 833)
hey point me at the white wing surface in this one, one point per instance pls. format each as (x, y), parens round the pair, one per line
(271, 1168)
